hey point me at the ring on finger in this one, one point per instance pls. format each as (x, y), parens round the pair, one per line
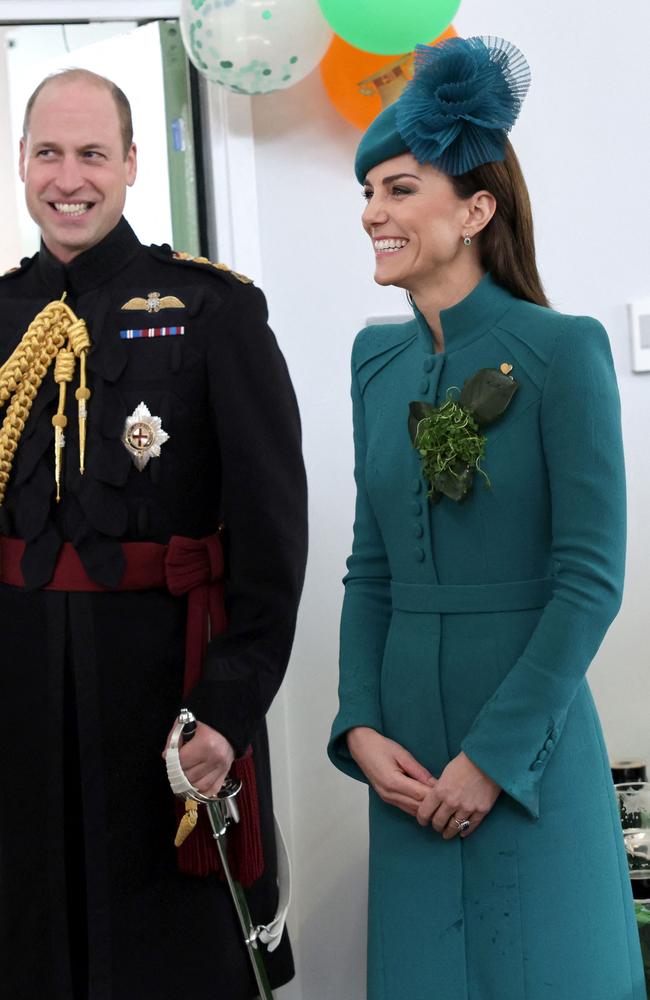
(462, 825)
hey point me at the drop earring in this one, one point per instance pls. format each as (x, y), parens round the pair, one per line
(467, 240)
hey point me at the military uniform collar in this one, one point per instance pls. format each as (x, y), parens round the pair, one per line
(470, 318)
(91, 268)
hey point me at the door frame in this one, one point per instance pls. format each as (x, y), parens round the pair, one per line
(62, 11)
(227, 123)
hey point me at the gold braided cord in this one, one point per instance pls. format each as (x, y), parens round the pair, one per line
(80, 342)
(54, 328)
(64, 367)
(63, 372)
(38, 347)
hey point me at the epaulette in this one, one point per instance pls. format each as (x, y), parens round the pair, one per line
(19, 268)
(182, 255)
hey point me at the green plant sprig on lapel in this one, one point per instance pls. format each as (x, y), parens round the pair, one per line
(448, 437)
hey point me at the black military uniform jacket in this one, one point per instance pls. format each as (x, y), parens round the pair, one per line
(94, 679)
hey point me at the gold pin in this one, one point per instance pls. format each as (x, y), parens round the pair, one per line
(154, 302)
(505, 368)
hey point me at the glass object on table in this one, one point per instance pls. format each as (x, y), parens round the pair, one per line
(633, 799)
(628, 770)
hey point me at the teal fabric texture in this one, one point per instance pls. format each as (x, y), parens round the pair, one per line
(471, 627)
(464, 98)
(381, 141)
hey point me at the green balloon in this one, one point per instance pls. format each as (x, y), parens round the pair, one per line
(389, 26)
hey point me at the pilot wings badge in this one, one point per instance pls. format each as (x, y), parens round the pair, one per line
(154, 302)
(143, 436)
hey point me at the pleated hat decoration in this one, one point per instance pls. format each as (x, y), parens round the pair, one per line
(456, 113)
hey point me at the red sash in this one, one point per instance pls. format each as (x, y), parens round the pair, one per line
(185, 566)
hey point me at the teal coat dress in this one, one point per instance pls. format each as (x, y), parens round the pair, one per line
(471, 626)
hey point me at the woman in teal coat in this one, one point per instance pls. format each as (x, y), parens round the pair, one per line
(472, 611)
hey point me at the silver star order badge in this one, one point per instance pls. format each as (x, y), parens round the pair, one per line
(143, 436)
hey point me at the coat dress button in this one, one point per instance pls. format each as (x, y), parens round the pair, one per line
(427, 364)
(418, 530)
(535, 766)
(549, 744)
(416, 485)
(416, 508)
(424, 385)
(418, 554)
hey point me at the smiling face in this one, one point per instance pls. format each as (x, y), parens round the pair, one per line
(73, 166)
(416, 222)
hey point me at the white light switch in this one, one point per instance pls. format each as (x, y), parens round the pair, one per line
(639, 313)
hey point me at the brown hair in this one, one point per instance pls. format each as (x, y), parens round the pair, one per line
(507, 244)
(70, 75)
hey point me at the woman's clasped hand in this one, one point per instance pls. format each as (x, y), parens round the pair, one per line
(462, 793)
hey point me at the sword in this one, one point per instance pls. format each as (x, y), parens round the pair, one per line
(222, 813)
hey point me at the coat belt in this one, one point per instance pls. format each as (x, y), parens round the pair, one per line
(183, 566)
(473, 598)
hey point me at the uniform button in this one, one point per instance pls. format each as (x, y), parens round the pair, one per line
(418, 554)
(416, 507)
(427, 364)
(424, 385)
(549, 744)
(535, 766)
(418, 530)
(542, 755)
(416, 485)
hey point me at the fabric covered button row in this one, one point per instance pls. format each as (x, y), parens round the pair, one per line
(544, 752)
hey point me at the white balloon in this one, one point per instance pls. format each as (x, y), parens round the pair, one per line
(254, 46)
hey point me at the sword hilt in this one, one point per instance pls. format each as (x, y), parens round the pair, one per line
(226, 800)
(189, 724)
(222, 811)
(183, 732)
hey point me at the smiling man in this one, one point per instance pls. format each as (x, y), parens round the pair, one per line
(77, 158)
(149, 466)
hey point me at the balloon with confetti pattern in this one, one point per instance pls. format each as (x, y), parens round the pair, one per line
(254, 46)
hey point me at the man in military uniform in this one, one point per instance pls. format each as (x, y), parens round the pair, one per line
(179, 417)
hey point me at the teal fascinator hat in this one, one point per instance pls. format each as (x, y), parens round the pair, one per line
(456, 112)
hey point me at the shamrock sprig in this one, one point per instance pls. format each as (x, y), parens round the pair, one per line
(448, 437)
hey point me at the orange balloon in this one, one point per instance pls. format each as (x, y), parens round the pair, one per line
(360, 84)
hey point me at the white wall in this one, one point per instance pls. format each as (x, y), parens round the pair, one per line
(9, 231)
(584, 143)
